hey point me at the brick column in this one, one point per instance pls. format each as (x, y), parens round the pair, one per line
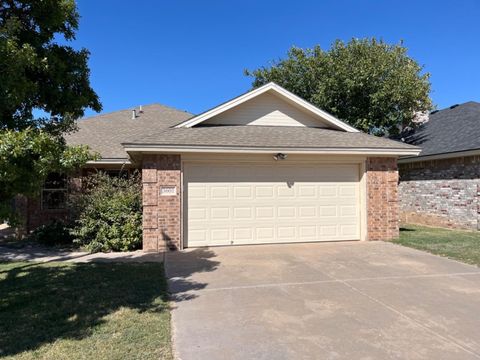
(161, 212)
(382, 199)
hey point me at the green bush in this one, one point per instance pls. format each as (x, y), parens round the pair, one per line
(108, 214)
(54, 233)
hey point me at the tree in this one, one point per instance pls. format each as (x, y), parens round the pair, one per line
(44, 87)
(373, 86)
(26, 158)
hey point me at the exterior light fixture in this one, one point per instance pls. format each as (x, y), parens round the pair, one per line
(280, 156)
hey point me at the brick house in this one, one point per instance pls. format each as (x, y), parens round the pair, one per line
(441, 187)
(264, 167)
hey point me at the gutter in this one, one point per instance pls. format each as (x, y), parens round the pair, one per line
(109, 161)
(440, 156)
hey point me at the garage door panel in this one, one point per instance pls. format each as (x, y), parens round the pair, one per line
(348, 230)
(328, 191)
(262, 192)
(197, 192)
(285, 192)
(328, 211)
(235, 204)
(219, 235)
(348, 210)
(242, 192)
(244, 235)
(243, 213)
(308, 232)
(287, 233)
(307, 191)
(307, 212)
(328, 231)
(220, 213)
(197, 236)
(265, 234)
(197, 214)
(286, 212)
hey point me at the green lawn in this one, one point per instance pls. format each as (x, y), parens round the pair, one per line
(83, 311)
(455, 244)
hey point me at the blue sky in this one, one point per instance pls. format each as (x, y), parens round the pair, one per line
(191, 54)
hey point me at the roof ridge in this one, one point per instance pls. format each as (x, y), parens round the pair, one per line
(130, 109)
(453, 106)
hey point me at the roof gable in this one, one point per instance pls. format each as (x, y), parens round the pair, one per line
(268, 105)
(266, 109)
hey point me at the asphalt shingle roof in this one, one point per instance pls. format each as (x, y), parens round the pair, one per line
(267, 136)
(106, 133)
(449, 130)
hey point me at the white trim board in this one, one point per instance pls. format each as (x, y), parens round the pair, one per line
(278, 90)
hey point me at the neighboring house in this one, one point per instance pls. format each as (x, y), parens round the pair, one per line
(265, 167)
(441, 187)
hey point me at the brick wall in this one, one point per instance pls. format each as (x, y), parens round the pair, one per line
(31, 208)
(161, 214)
(37, 216)
(32, 213)
(443, 192)
(382, 198)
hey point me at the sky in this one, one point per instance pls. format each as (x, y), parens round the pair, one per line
(191, 55)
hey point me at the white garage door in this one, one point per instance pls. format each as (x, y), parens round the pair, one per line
(255, 204)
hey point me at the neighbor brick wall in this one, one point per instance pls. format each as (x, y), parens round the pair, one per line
(382, 198)
(161, 214)
(443, 192)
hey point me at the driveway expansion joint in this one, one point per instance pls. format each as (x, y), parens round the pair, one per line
(330, 281)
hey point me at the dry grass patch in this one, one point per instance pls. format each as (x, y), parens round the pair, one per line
(83, 311)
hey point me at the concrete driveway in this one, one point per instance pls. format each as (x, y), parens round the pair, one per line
(370, 300)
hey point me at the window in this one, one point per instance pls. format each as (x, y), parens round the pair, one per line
(54, 192)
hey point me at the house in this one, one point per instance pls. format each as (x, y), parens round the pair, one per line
(441, 187)
(264, 167)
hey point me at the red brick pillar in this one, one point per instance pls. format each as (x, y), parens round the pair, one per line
(382, 199)
(161, 178)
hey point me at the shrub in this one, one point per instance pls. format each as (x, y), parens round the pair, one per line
(108, 214)
(54, 233)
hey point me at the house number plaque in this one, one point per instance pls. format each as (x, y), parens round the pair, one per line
(168, 190)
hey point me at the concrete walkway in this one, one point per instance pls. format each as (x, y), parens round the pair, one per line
(323, 301)
(42, 254)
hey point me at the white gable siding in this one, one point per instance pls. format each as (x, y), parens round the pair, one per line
(267, 110)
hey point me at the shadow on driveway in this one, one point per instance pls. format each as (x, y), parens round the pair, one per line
(181, 265)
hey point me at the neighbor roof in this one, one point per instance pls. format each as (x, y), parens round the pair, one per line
(106, 133)
(266, 137)
(455, 129)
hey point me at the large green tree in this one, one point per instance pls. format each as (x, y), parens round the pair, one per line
(44, 87)
(374, 86)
